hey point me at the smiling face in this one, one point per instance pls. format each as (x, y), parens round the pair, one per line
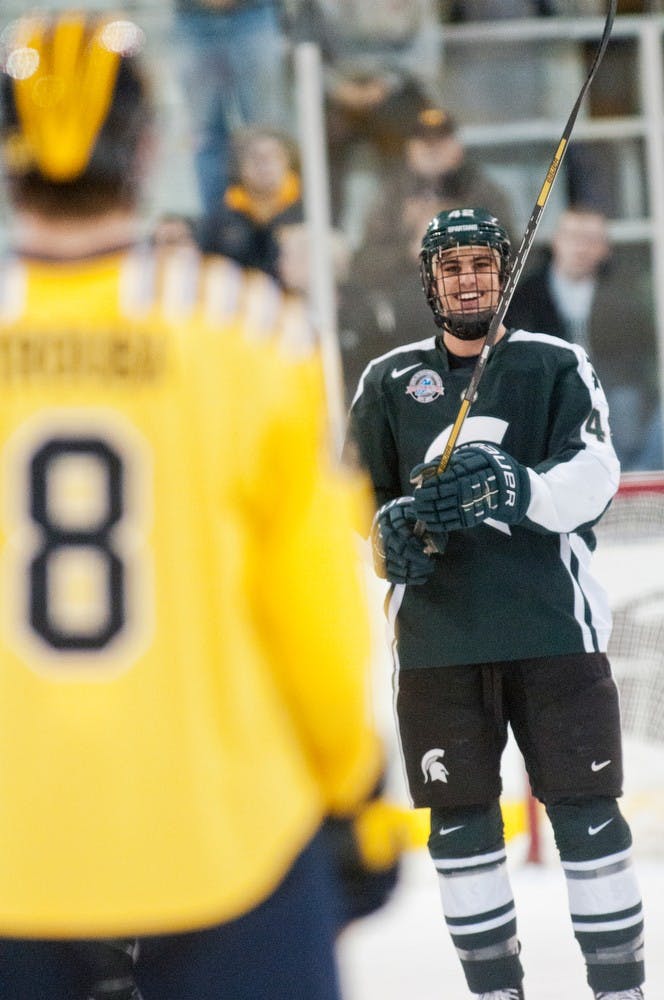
(465, 262)
(467, 279)
(468, 285)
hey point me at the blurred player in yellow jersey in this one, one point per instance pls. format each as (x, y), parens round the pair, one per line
(182, 635)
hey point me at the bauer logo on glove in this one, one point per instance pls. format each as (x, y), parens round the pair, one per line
(480, 481)
(506, 466)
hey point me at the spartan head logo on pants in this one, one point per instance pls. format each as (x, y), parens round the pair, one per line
(432, 766)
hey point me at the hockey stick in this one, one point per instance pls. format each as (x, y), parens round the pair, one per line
(523, 251)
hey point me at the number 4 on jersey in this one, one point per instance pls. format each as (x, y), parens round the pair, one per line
(594, 425)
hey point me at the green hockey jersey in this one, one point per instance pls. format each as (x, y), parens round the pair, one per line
(499, 592)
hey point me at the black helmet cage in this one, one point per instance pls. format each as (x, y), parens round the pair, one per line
(450, 230)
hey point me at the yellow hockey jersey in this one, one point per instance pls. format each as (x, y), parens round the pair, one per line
(183, 639)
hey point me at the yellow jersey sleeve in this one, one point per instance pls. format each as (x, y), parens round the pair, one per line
(310, 587)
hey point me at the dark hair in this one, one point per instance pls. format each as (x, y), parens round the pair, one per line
(110, 178)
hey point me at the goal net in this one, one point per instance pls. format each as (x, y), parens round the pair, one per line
(630, 564)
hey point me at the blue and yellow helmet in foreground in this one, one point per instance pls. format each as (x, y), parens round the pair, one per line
(68, 81)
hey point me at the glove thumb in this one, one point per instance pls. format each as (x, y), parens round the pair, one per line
(424, 470)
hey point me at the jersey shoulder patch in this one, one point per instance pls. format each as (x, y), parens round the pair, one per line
(396, 363)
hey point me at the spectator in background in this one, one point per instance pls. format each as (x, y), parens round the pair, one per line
(368, 111)
(294, 272)
(435, 166)
(370, 320)
(233, 69)
(375, 318)
(563, 296)
(592, 170)
(264, 194)
(575, 294)
(397, 33)
(636, 425)
(382, 61)
(294, 256)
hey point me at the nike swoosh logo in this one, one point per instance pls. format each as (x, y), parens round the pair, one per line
(398, 372)
(592, 830)
(450, 829)
(598, 767)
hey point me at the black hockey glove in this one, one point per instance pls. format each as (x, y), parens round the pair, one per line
(398, 554)
(366, 851)
(364, 889)
(480, 481)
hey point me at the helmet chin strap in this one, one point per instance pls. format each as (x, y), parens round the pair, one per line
(469, 327)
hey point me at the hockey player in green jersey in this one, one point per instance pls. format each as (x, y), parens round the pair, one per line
(504, 624)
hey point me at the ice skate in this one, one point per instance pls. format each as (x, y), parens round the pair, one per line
(508, 993)
(121, 993)
(636, 993)
(104, 991)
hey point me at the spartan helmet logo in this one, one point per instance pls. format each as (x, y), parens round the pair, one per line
(432, 766)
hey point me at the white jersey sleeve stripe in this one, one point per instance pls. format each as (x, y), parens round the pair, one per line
(576, 492)
(566, 556)
(572, 494)
(595, 596)
(591, 609)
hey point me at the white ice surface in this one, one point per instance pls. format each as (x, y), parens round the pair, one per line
(403, 951)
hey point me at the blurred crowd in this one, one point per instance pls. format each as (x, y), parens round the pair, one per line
(397, 154)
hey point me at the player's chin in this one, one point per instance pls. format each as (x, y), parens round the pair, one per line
(469, 325)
